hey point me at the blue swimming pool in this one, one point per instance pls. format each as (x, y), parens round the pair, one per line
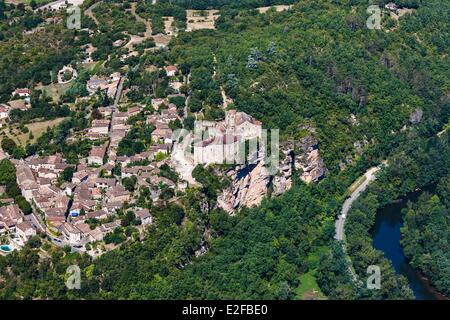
(5, 248)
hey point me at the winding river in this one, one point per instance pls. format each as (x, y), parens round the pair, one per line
(386, 237)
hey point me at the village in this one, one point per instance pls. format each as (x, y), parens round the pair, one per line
(96, 204)
(82, 212)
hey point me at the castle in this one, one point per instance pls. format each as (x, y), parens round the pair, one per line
(224, 139)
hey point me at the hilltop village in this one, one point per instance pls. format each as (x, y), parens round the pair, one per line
(126, 154)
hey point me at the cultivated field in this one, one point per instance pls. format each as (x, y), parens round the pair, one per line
(54, 90)
(201, 19)
(37, 129)
(277, 8)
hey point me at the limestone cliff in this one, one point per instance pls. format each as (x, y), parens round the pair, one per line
(251, 183)
(249, 186)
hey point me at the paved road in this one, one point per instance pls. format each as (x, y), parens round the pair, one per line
(370, 176)
(183, 163)
(186, 103)
(118, 93)
(35, 222)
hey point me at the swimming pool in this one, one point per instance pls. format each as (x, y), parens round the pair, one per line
(6, 248)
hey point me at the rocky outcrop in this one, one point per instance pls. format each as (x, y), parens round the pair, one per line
(359, 147)
(282, 181)
(251, 183)
(248, 188)
(416, 116)
(306, 158)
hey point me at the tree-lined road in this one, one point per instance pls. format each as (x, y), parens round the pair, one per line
(369, 177)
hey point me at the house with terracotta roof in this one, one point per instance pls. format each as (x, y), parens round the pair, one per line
(4, 113)
(105, 183)
(171, 70)
(110, 226)
(129, 172)
(161, 148)
(21, 92)
(26, 181)
(162, 135)
(100, 127)
(145, 216)
(96, 155)
(25, 231)
(10, 217)
(133, 111)
(118, 194)
(80, 176)
(242, 124)
(71, 233)
(157, 102)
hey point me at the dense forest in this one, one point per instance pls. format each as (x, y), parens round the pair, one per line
(426, 235)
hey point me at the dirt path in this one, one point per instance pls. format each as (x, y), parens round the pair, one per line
(90, 14)
(148, 24)
(148, 31)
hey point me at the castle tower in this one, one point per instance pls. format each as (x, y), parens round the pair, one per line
(230, 120)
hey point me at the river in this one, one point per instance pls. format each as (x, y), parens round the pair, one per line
(386, 237)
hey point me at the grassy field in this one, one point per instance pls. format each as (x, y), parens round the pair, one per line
(54, 90)
(37, 128)
(308, 289)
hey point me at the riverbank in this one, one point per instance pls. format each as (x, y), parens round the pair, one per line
(386, 235)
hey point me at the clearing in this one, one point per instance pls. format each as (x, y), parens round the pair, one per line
(54, 90)
(168, 25)
(309, 289)
(277, 8)
(37, 128)
(201, 19)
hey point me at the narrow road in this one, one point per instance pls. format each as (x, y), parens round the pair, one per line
(118, 93)
(186, 103)
(339, 235)
(114, 108)
(182, 159)
(90, 14)
(35, 222)
(369, 177)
